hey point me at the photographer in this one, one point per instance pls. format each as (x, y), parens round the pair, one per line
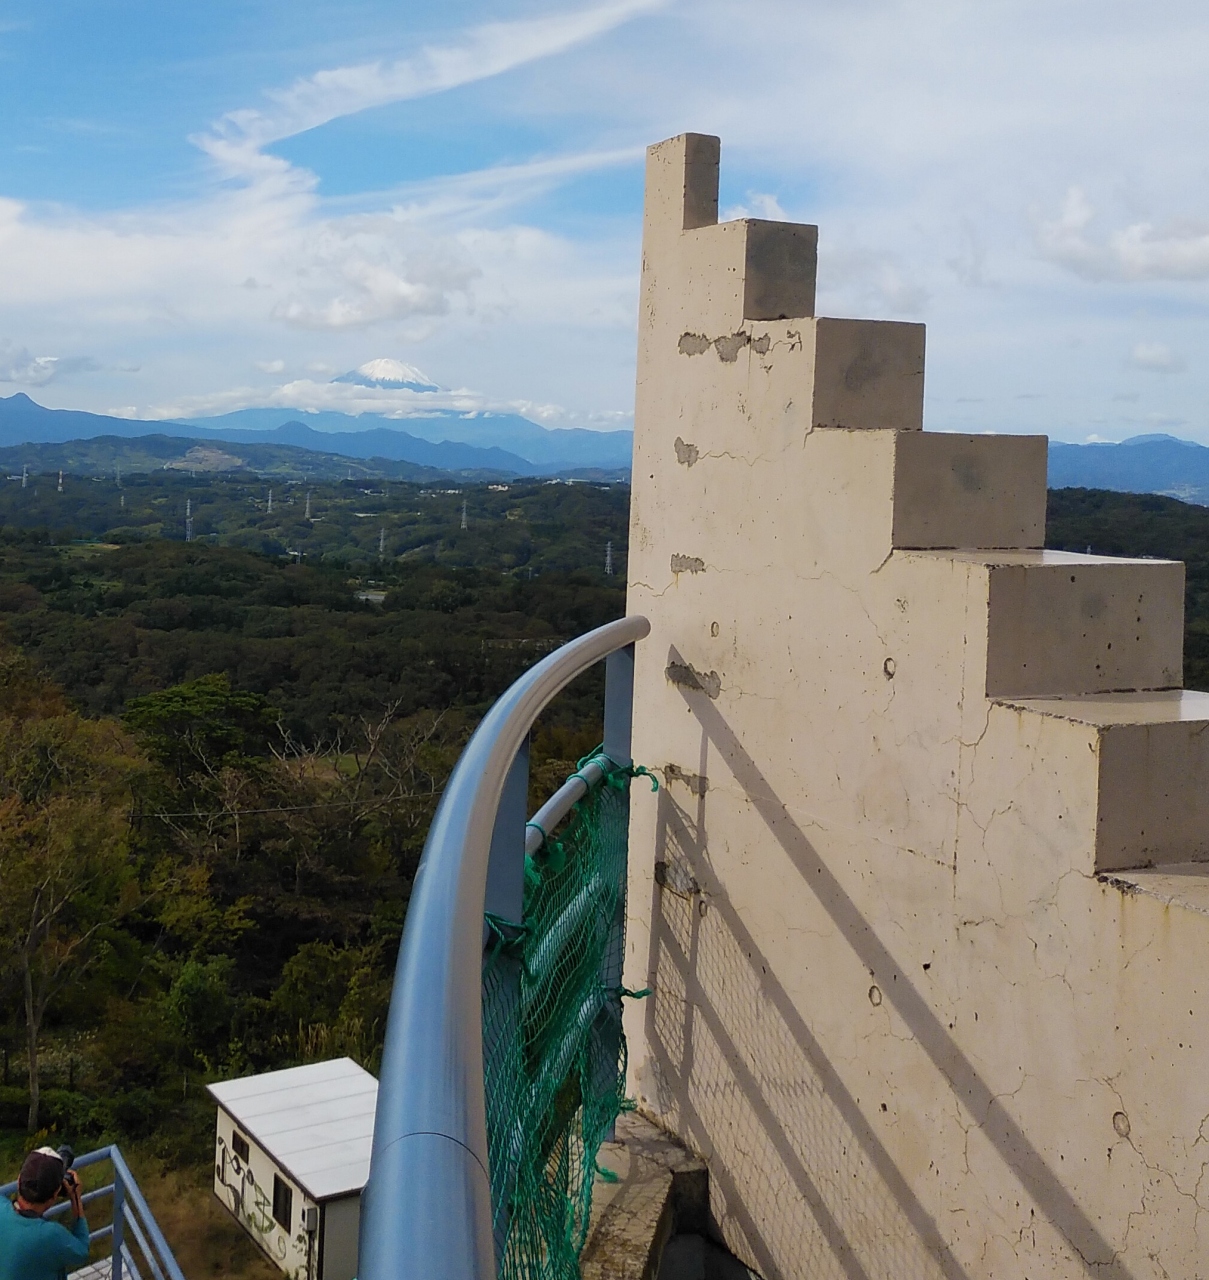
(31, 1248)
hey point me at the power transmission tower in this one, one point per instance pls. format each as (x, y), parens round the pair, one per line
(117, 475)
(609, 559)
(123, 502)
(60, 481)
(24, 475)
(270, 511)
(381, 542)
(465, 525)
(188, 519)
(308, 504)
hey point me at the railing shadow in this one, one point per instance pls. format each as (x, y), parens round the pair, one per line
(737, 1066)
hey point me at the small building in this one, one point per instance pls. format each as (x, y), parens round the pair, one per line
(291, 1158)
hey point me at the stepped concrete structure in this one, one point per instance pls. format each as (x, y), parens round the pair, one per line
(923, 902)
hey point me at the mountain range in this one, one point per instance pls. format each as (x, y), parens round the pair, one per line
(1143, 464)
(444, 439)
(496, 444)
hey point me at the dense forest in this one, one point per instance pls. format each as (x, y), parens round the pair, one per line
(218, 764)
(219, 757)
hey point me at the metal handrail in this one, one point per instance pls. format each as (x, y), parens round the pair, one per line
(426, 1209)
(538, 828)
(130, 1209)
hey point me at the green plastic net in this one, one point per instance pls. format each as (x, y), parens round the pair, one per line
(553, 1049)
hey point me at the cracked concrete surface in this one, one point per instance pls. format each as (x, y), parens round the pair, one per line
(1022, 879)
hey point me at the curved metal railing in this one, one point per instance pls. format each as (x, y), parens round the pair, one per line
(426, 1209)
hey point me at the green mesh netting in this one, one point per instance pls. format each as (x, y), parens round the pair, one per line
(553, 1050)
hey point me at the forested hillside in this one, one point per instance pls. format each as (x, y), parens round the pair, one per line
(217, 767)
(1143, 524)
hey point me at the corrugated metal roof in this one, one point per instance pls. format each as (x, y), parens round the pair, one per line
(316, 1121)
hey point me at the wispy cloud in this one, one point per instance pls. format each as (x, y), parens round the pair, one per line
(238, 138)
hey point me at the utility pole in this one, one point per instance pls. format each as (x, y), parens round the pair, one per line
(188, 519)
(609, 559)
(381, 542)
(465, 525)
(270, 511)
(308, 504)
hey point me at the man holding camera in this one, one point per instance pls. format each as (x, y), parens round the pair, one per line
(31, 1248)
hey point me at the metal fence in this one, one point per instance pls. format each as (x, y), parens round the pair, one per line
(133, 1222)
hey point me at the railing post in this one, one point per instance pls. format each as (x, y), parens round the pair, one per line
(619, 705)
(506, 861)
(505, 900)
(119, 1214)
(618, 727)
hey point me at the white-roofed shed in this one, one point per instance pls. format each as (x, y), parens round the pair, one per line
(292, 1156)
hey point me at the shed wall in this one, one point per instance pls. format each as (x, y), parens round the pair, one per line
(246, 1190)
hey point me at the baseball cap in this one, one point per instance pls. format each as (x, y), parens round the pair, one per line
(41, 1175)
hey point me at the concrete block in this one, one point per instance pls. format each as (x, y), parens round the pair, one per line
(868, 373)
(779, 270)
(1153, 754)
(1061, 624)
(682, 181)
(969, 491)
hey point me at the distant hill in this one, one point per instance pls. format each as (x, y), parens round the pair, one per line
(444, 439)
(1143, 464)
(101, 455)
(547, 449)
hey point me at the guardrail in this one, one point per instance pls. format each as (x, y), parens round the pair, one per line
(426, 1209)
(130, 1214)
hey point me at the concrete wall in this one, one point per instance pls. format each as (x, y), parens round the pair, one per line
(908, 1000)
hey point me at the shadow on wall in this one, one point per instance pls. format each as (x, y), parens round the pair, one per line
(842, 1207)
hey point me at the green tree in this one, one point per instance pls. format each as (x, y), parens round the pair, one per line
(66, 875)
(203, 726)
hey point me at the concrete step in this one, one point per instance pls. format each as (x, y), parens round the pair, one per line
(653, 1223)
(1151, 753)
(1060, 624)
(102, 1269)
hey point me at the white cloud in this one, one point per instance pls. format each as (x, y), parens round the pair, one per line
(309, 396)
(19, 366)
(1137, 252)
(1156, 357)
(757, 205)
(236, 141)
(271, 366)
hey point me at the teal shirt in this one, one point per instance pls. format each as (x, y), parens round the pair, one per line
(34, 1249)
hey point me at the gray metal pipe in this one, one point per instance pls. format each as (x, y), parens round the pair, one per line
(426, 1209)
(561, 803)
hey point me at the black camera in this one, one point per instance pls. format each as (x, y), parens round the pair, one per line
(68, 1156)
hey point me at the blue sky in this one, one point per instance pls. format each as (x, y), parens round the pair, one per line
(214, 206)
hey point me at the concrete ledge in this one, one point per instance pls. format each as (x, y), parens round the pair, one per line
(661, 1189)
(1180, 885)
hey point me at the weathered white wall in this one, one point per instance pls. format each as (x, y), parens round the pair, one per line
(906, 1000)
(246, 1189)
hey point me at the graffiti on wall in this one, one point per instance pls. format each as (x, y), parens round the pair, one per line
(251, 1205)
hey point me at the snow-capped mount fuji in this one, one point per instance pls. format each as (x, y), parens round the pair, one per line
(391, 375)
